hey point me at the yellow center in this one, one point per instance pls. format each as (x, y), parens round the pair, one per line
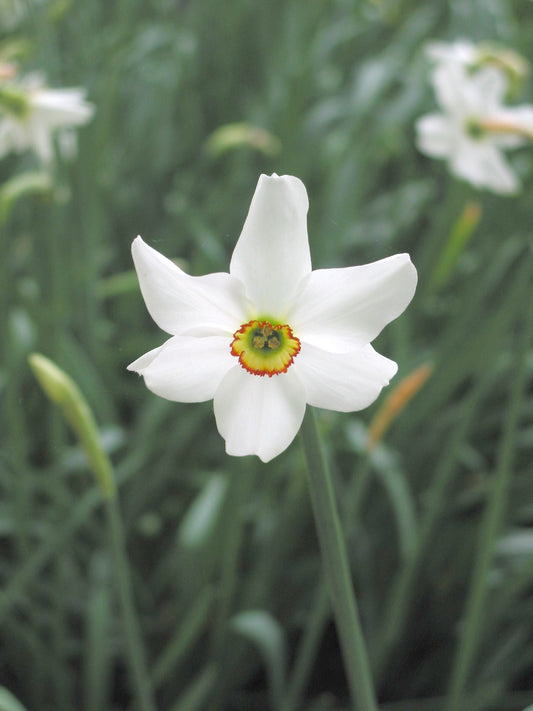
(265, 349)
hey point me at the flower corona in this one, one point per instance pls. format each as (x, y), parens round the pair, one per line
(264, 348)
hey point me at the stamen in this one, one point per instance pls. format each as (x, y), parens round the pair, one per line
(265, 349)
(478, 128)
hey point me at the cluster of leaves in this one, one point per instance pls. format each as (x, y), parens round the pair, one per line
(223, 553)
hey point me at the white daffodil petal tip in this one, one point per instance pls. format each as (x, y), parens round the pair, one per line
(144, 361)
(180, 303)
(257, 415)
(344, 382)
(272, 255)
(270, 337)
(340, 310)
(185, 368)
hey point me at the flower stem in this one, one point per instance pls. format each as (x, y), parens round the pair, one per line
(336, 569)
(135, 648)
(233, 536)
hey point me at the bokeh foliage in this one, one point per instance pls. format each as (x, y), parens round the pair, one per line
(223, 551)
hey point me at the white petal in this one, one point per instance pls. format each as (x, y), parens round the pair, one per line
(62, 107)
(180, 303)
(461, 51)
(144, 361)
(8, 137)
(186, 368)
(259, 415)
(483, 165)
(343, 381)
(452, 88)
(435, 135)
(41, 139)
(340, 310)
(272, 253)
(488, 88)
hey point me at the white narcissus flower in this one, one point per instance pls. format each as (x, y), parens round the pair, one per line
(461, 51)
(472, 57)
(475, 126)
(272, 335)
(30, 114)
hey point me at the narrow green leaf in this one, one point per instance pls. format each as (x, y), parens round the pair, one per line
(18, 187)
(195, 695)
(98, 655)
(8, 702)
(187, 634)
(267, 635)
(461, 233)
(201, 517)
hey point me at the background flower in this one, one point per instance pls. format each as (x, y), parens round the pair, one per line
(31, 113)
(475, 126)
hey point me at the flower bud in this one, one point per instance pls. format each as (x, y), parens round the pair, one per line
(64, 392)
(510, 62)
(14, 102)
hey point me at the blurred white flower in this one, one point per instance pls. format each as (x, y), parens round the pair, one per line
(271, 336)
(462, 52)
(474, 126)
(473, 57)
(31, 113)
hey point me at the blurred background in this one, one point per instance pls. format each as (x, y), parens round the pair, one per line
(193, 100)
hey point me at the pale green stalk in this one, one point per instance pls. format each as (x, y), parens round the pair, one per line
(231, 548)
(307, 649)
(62, 390)
(321, 607)
(491, 527)
(337, 570)
(135, 647)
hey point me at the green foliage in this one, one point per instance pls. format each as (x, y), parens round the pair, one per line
(222, 552)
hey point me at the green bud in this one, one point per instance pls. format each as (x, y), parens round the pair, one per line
(14, 102)
(513, 64)
(475, 130)
(235, 135)
(64, 392)
(20, 186)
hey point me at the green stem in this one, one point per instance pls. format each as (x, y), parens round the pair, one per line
(135, 648)
(306, 654)
(490, 528)
(336, 569)
(321, 608)
(234, 530)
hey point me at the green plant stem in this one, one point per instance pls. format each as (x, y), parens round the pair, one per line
(234, 529)
(491, 526)
(336, 569)
(135, 648)
(306, 654)
(321, 607)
